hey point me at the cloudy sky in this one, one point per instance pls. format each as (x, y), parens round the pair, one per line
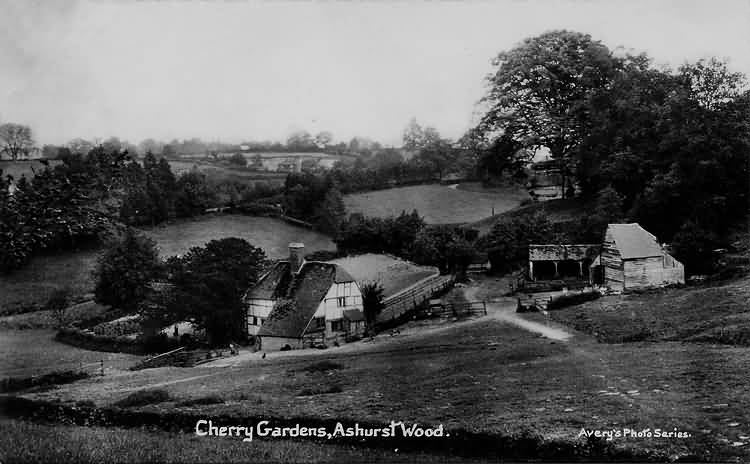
(233, 70)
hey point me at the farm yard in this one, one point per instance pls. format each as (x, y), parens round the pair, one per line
(32, 284)
(437, 204)
(393, 274)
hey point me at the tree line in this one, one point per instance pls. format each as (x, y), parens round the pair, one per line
(666, 148)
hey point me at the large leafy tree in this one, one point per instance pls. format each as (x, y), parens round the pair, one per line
(15, 140)
(540, 91)
(126, 270)
(372, 301)
(209, 283)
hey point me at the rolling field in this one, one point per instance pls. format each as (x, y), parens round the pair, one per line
(218, 172)
(480, 376)
(33, 284)
(102, 445)
(33, 352)
(437, 204)
(392, 273)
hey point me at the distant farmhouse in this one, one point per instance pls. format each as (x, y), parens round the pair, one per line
(629, 258)
(324, 304)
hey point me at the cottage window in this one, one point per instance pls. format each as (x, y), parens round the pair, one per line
(337, 326)
(341, 301)
(320, 322)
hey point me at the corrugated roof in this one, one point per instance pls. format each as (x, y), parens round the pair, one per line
(307, 290)
(634, 241)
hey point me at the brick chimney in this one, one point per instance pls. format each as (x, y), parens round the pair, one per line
(296, 257)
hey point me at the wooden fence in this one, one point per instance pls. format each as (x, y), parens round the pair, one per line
(409, 300)
(472, 308)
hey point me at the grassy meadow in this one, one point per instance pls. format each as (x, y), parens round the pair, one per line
(32, 284)
(437, 204)
(33, 352)
(481, 376)
(66, 443)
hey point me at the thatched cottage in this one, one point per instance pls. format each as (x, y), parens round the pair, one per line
(297, 304)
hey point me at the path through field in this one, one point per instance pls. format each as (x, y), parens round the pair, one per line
(504, 309)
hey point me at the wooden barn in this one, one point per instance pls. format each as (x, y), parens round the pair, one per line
(632, 258)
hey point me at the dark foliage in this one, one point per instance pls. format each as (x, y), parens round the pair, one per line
(125, 271)
(15, 384)
(143, 398)
(571, 299)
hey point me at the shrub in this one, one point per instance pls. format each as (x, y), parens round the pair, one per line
(320, 390)
(211, 399)
(158, 343)
(323, 366)
(571, 299)
(143, 398)
(14, 384)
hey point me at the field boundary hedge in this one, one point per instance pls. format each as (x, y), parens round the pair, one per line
(457, 442)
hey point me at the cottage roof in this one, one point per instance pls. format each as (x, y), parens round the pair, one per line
(306, 290)
(273, 284)
(353, 315)
(633, 241)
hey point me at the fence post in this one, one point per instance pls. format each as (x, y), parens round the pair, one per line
(484, 305)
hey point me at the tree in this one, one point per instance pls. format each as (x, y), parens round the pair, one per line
(331, 212)
(541, 89)
(508, 242)
(80, 146)
(459, 254)
(323, 139)
(210, 282)
(193, 194)
(15, 140)
(238, 159)
(372, 302)
(58, 303)
(125, 271)
(414, 136)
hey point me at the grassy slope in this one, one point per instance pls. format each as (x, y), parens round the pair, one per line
(34, 352)
(438, 204)
(555, 210)
(484, 376)
(719, 314)
(33, 284)
(28, 442)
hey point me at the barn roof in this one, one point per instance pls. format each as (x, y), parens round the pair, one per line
(633, 241)
(306, 290)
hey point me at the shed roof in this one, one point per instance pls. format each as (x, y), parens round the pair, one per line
(633, 241)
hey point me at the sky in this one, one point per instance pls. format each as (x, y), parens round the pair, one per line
(258, 70)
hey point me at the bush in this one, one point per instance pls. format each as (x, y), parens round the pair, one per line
(571, 299)
(323, 366)
(143, 398)
(158, 343)
(320, 390)
(14, 384)
(211, 399)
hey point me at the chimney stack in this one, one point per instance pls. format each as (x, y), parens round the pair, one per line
(296, 257)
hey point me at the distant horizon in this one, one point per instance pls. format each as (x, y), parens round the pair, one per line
(234, 72)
